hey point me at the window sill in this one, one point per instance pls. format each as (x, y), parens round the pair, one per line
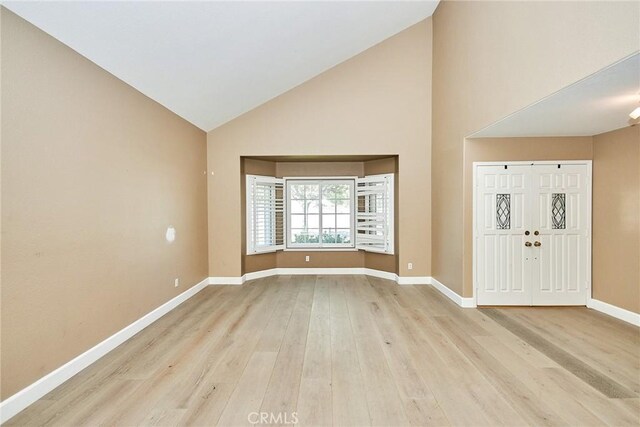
(320, 250)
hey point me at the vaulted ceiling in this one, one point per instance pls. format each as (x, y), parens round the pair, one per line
(210, 62)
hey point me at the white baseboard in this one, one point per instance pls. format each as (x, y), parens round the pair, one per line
(226, 280)
(614, 311)
(239, 280)
(461, 301)
(380, 274)
(319, 271)
(400, 280)
(425, 280)
(260, 274)
(414, 280)
(25, 397)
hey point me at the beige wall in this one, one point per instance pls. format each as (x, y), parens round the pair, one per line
(294, 169)
(317, 259)
(511, 149)
(92, 174)
(616, 218)
(481, 75)
(375, 103)
(320, 259)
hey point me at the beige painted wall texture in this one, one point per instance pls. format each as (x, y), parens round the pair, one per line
(375, 103)
(511, 149)
(480, 75)
(616, 218)
(93, 172)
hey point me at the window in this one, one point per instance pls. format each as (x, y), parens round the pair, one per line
(320, 213)
(503, 211)
(324, 214)
(558, 211)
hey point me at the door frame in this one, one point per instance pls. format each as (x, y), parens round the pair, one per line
(587, 163)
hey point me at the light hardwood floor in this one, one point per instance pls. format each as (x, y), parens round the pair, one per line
(356, 350)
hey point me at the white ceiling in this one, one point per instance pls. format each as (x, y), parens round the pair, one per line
(212, 61)
(596, 104)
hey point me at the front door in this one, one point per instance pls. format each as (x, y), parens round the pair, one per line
(532, 234)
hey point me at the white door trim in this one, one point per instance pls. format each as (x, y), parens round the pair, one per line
(587, 163)
(533, 162)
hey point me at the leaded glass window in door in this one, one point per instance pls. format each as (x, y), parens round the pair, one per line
(503, 211)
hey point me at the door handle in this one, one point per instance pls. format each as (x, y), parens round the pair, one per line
(536, 244)
(527, 244)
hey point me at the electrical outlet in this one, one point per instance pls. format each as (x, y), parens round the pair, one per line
(176, 283)
(410, 266)
(307, 258)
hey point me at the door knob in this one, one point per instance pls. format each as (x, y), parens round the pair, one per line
(527, 244)
(536, 244)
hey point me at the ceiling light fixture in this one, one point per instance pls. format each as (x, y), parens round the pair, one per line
(635, 113)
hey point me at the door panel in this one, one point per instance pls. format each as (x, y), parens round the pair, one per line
(503, 269)
(561, 217)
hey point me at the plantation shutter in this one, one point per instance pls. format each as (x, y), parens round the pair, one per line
(265, 214)
(374, 213)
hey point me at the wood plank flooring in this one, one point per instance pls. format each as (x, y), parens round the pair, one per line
(355, 351)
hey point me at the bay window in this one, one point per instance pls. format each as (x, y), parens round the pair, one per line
(320, 213)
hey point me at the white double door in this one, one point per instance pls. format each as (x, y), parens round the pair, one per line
(532, 234)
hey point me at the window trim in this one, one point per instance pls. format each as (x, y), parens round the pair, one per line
(288, 246)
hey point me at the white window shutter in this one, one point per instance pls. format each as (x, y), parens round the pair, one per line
(374, 213)
(265, 214)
